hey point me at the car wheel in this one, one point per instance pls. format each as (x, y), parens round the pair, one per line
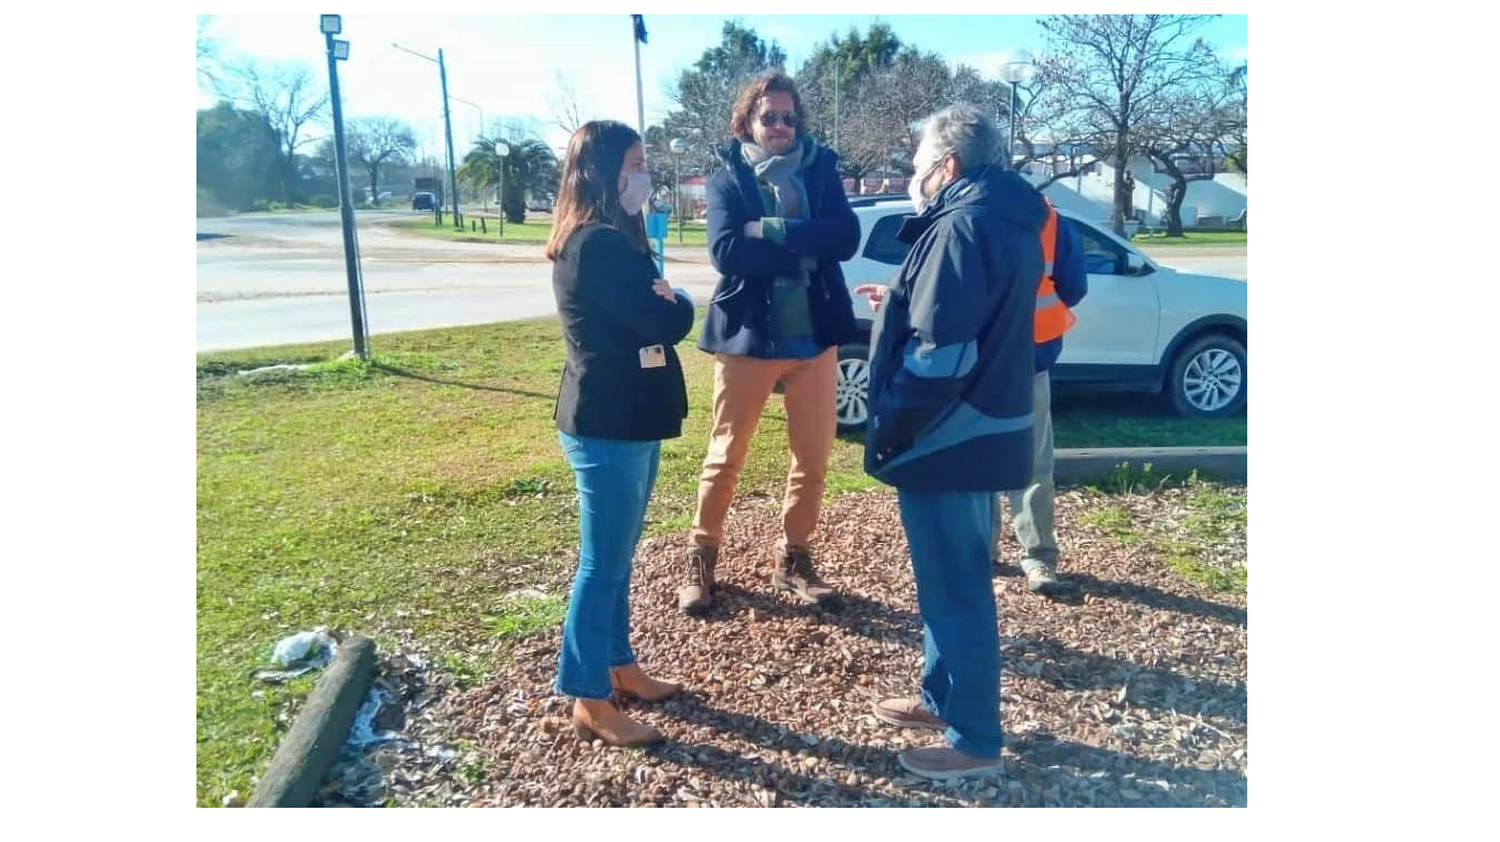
(1208, 377)
(852, 389)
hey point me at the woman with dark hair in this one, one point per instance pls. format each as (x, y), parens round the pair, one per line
(778, 226)
(622, 392)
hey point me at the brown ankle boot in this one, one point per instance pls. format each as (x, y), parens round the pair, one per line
(697, 595)
(794, 572)
(598, 719)
(631, 682)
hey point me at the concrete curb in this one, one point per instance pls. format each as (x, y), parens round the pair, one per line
(310, 747)
(1076, 465)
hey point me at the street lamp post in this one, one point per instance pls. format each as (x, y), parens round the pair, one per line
(678, 146)
(1019, 67)
(502, 151)
(483, 198)
(331, 25)
(447, 126)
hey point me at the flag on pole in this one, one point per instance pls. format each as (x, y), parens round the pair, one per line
(639, 22)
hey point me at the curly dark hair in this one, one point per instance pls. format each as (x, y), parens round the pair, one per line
(749, 99)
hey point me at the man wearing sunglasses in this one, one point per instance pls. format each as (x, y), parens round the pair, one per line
(778, 226)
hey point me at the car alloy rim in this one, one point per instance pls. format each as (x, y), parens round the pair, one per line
(1212, 380)
(852, 395)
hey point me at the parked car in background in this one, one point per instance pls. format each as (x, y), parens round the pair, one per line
(423, 201)
(1142, 326)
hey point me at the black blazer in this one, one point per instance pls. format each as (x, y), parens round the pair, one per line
(609, 313)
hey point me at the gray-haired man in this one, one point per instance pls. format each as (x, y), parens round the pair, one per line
(951, 378)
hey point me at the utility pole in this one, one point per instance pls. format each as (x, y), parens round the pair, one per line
(447, 127)
(331, 25)
(448, 130)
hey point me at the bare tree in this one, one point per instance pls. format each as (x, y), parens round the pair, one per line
(1115, 74)
(1191, 135)
(884, 115)
(1238, 113)
(1042, 136)
(209, 71)
(1051, 133)
(377, 141)
(569, 112)
(289, 99)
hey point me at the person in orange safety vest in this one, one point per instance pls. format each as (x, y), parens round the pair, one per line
(1064, 284)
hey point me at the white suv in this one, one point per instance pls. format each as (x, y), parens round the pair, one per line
(1142, 326)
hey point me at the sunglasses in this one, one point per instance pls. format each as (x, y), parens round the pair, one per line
(788, 119)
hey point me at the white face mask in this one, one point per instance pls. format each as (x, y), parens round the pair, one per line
(637, 191)
(919, 199)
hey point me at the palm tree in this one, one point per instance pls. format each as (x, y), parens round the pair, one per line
(529, 168)
(480, 168)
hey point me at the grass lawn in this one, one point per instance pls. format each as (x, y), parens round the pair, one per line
(536, 229)
(415, 498)
(1082, 419)
(1194, 238)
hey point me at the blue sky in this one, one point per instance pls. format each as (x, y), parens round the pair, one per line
(508, 65)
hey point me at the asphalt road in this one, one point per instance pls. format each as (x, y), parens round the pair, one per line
(272, 279)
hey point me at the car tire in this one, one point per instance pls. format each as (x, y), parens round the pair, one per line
(852, 388)
(1208, 377)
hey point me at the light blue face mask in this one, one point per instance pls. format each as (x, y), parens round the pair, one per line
(637, 191)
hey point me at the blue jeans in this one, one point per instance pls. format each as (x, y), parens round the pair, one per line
(614, 480)
(950, 534)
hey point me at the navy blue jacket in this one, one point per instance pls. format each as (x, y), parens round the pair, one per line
(1072, 284)
(739, 314)
(954, 345)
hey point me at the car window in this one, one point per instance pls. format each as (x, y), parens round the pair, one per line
(883, 247)
(1100, 255)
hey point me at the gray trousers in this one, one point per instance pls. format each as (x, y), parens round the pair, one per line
(1031, 507)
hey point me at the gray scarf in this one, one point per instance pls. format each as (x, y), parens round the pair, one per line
(780, 171)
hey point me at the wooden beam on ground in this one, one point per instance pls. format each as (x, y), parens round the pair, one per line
(310, 747)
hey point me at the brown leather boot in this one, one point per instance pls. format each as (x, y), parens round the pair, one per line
(598, 719)
(794, 572)
(697, 595)
(632, 682)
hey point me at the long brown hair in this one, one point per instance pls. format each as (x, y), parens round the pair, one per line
(589, 191)
(749, 100)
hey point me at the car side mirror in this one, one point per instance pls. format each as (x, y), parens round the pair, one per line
(1135, 264)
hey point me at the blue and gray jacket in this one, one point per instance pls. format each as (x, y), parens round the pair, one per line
(953, 353)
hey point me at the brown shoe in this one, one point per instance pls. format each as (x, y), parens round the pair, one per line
(598, 719)
(697, 595)
(946, 763)
(631, 682)
(908, 712)
(794, 572)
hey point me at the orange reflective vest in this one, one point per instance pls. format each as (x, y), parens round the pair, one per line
(1053, 318)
